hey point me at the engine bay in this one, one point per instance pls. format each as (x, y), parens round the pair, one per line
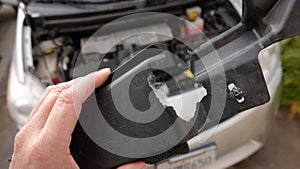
(55, 55)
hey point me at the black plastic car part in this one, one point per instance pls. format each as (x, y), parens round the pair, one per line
(263, 23)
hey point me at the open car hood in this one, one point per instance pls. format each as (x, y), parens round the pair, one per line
(49, 8)
(38, 8)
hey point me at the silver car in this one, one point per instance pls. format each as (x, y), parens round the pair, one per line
(44, 47)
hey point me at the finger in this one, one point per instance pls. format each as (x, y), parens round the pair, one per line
(42, 111)
(86, 85)
(65, 112)
(137, 165)
(38, 104)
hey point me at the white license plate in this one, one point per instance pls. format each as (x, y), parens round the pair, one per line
(197, 159)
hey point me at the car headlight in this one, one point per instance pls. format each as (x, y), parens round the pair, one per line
(269, 60)
(23, 97)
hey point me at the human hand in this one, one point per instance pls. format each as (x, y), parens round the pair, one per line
(45, 139)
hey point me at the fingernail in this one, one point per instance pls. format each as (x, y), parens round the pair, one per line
(105, 70)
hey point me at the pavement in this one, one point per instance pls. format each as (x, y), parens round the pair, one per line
(282, 150)
(7, 128)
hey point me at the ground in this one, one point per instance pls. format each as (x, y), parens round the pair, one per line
(282, 150)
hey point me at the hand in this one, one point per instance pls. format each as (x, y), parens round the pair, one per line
(45, 139)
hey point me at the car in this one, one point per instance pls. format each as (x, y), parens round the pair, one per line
(51, 34)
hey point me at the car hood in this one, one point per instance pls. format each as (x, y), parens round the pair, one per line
(45, 8)
(49, 8)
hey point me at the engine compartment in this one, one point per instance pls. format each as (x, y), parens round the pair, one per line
(54, 56)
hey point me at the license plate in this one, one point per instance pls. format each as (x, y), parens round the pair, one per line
(198, 159)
